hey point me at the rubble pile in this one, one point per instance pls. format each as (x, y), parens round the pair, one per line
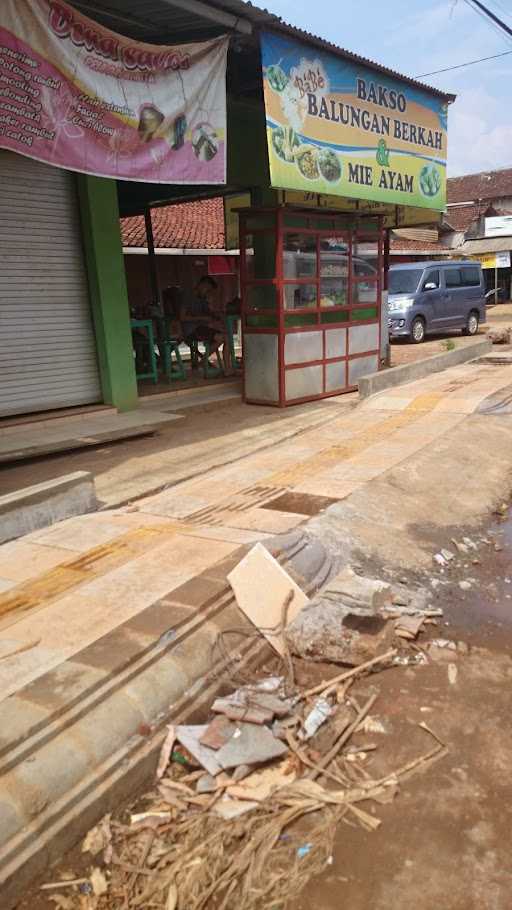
(245, 806)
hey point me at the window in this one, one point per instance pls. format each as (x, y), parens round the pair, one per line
(404, 281)
(432, 278)
(453, 278)
(470, 276)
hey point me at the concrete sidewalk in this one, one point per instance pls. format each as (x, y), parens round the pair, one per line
(120, 611)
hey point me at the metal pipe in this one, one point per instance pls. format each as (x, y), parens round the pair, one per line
(153, 274)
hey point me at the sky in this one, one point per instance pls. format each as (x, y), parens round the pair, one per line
(419, 36)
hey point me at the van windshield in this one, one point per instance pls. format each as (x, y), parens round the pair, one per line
(404, 281)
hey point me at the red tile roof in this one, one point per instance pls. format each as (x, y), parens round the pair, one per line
(460, 218)
(486, 185)
(417, 246)
(191, 225)
(200, 225)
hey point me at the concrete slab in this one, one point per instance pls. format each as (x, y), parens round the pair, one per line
(21, 561)
(45, 503)
(376, 382)
(67, 433)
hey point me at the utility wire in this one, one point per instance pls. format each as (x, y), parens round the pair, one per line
(492, 16)
(459, 66)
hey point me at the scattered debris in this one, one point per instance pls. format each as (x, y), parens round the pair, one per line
(206, 784)
(320, 713)
(470, 544)
(409, 627)
(461, 547)
(443, 643)
(372, 725)
(303, 851)
(465, 585)
(99, 840)
(283, 598)
(218, 732)
(64, 883)
(172, 897)
(447, 555)
(165, 754)
(500, 335)
(327, 631)
(357, 591)
(274, 763)
(160, 817)
(253, 746)
(99, 882)
(452, 674)
(261, 784)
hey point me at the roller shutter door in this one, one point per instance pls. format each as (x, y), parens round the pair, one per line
(47, 344)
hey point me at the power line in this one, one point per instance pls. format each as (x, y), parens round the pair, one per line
(490, 15)
(461, 65)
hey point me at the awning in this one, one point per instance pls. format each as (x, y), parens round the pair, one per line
(486, 245)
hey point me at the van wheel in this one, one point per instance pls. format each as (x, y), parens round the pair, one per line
(472, 324)
(418, 330)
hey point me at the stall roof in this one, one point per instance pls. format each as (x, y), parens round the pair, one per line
(173, 21)
(487, 245)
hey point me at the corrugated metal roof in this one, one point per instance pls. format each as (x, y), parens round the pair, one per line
(162, 21)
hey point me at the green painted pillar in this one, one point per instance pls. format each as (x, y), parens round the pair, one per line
(107, 286)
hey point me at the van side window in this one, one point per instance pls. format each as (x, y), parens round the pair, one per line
(432, 278)
(470, 276)
(453, 278)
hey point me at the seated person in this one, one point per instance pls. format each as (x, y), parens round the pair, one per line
(203, 319)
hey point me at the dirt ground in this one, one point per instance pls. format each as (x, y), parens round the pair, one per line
(444, 841)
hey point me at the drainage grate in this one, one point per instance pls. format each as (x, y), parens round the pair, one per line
(300, 503)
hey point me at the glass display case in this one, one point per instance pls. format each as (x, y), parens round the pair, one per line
(311, 285)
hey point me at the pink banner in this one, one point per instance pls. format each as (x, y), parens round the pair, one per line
(78, 96)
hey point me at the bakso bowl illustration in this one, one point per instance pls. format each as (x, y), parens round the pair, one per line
(329, 165)
(307, 162)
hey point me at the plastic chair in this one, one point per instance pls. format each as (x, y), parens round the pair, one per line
(209, 371)
(173, 369)
(147, 325)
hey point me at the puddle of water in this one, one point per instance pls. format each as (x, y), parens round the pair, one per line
(484, 613)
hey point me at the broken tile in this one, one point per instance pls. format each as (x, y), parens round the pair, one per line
(251, 746)
(189, 737)
(237, 712)
(262, 587)
(206, 784)
(232, 808)
(241, 773)
(409, 626)
(218, 732)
